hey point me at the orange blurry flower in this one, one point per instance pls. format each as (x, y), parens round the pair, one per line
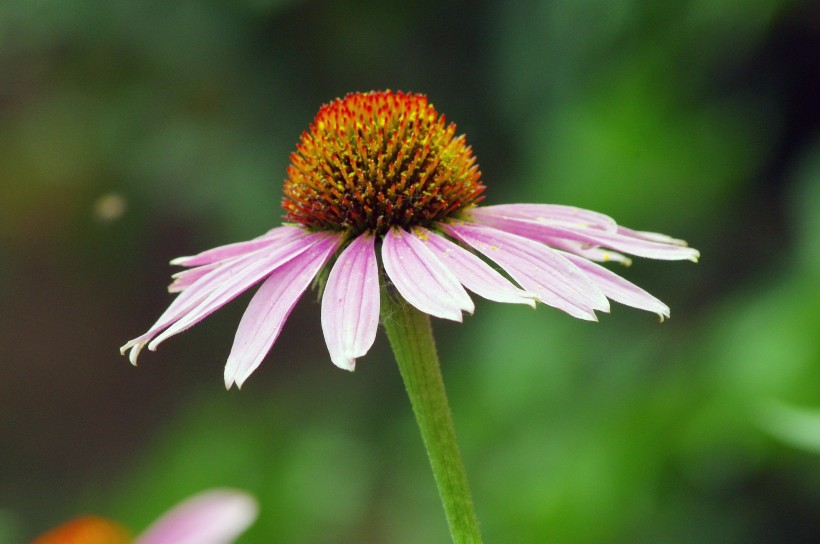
(86, 530)
(217, 516)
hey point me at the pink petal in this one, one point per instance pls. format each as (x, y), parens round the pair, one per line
(239, 248)
(549, 213)
(421, 278)
(239, 282)
(270, 307)
(593, 253)
(212, 517)
(350, 303)
(619, 289)
(473, 273)
(620, 240)
(186, 278)
(227, 279)
(186, 301)
(536, 268)
(651, 236)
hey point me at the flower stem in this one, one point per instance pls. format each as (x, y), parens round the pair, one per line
(411, 338)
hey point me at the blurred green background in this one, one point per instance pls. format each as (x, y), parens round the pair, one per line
(133, 132)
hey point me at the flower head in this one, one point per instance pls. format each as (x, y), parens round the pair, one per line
(382, 174)
(375, 161)
(217, 516)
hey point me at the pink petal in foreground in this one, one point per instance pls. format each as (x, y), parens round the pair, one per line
(240, 281)
(421, 278)
(270, 307)
(536, 268)
(619, 289)
(473, 273)
(222, 278)
(350, 303)
(186, 301)
(213, 517)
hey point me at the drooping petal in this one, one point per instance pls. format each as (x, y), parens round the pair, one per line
(211, 259)
(639, 246)
(185, 302)
(230, 251)
(536, 268)
(593, 253)
(350, 303)
(213, 517)
(421, 278)
(548, 233)
(186, 278)
(549, 213)
(473, 273)
(270, 307)
(619, 289)
(651, 236)
(229, 278)
(241, 281)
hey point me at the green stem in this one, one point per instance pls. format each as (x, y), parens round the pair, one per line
(413, 345)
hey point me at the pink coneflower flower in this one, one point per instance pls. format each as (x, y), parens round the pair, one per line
(217, 516)
(381, 191)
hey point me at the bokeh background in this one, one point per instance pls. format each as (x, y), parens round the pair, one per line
(133, 132)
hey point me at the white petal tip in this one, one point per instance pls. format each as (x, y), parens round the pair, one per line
(672, 241)
(345, 363)
(529, 299)
(468, 305)
(180, 261)
(230, 381)
(135, 351)
(232, 377)
(689, 254)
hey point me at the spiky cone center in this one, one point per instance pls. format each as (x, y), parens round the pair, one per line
(372, 161)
